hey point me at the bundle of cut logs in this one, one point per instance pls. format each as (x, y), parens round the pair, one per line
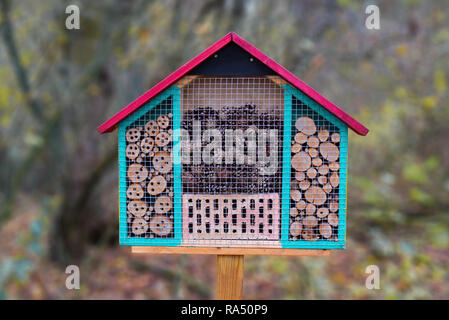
(231, 179)
(150, 178)
(315, 181)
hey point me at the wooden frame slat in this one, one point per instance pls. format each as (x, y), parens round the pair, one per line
(229, 251)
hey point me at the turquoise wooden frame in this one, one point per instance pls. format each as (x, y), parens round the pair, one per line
(174, 92)
(289, 92)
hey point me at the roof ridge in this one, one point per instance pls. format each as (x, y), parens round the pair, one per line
(111, 124)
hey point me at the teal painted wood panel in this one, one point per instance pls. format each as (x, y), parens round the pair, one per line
(291, 92)
(123, 232)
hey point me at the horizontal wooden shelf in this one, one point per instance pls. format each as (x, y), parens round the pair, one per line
(229, 251)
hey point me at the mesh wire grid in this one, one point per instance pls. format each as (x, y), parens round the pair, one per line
(231, 159)
(315, 181)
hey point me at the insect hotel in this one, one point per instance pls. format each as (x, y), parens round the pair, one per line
(233, 151)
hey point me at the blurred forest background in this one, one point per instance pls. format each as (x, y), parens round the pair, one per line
(58, 175)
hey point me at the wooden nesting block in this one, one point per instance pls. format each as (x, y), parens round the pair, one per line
(221, 218)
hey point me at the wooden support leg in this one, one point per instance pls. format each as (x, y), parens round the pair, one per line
(229, 277)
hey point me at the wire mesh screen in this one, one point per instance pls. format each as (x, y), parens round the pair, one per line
(231, 155)
(224, 187)
(315, 181)
(149, 174)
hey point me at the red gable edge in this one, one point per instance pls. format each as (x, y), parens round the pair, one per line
(111, 124)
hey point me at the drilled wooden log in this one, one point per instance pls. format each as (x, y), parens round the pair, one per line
(139, 226)
(137, 208)
(137, 173)
(132, 151)
(322, 212)
(133, 135)
(156, 185)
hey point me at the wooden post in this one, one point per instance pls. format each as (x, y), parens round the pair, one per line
(229, 277)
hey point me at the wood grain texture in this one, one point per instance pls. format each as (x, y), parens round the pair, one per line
(229, 251)
(230, 277)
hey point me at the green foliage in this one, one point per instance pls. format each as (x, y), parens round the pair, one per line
(58, 176)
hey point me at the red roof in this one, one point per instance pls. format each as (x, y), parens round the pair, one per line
(111, 124)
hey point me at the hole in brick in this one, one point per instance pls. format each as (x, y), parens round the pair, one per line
(252, 204)
(190, 212)
(207, 227)
(243, 227)
(215, 204)
(225, 212)
(244, 212)
(217, 219)
(198, 219)
(207, 212)
(198, 204)
(225, 227)
(270, 219)
(260, 227)
(270, 204)
(234, 204)
(190, 227)
(234, 219)
(252, 219)
(252, 231)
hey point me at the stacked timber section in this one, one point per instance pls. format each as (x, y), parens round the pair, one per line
(315, 181)
(149, 174)
(232, 188)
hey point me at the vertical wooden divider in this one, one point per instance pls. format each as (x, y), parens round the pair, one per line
(229, 277)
